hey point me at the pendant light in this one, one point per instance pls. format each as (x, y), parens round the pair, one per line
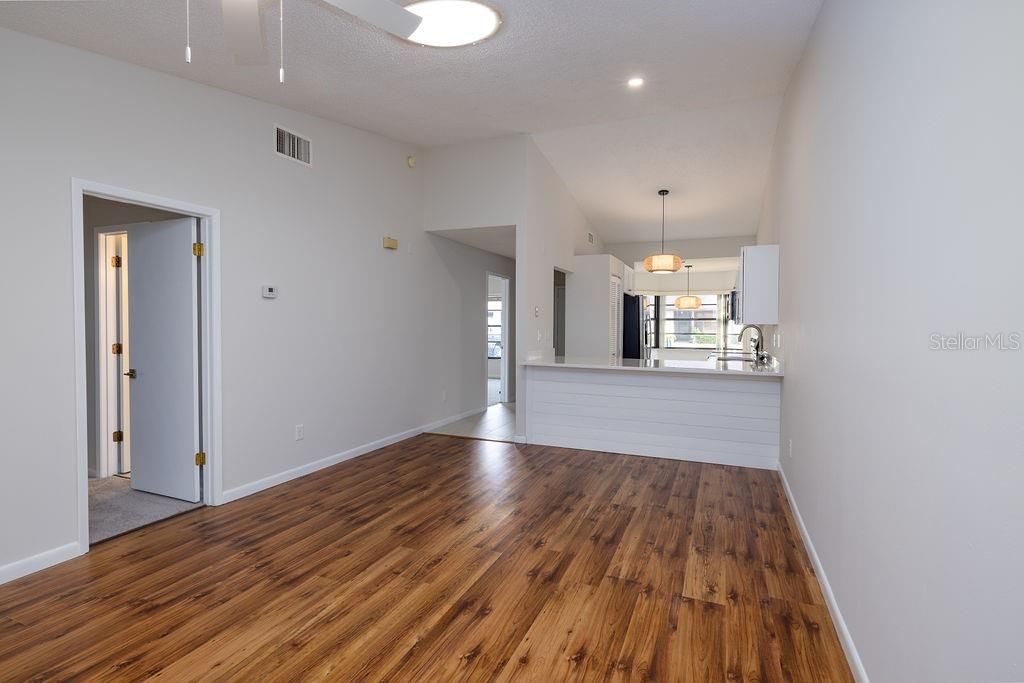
(688, 302)
(663, 263)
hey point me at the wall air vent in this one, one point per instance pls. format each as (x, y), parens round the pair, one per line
(293, 146)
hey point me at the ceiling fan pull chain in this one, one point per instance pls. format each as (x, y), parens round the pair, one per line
(188, 32)
(280, 74)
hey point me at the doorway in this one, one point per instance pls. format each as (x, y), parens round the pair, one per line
(497, 339)
(497, 421)
(146, 333)
(558, 324)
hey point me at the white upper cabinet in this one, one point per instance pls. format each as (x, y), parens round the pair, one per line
(757, 285)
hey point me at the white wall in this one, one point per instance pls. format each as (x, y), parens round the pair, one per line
(700, 282)
(509, 182)
(361, 343)
(714, 247)
(475, 185)
(896, 200)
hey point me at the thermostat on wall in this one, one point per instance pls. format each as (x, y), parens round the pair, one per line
(269, 292)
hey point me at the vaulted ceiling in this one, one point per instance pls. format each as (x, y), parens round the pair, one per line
(557, 68)
(713, 161)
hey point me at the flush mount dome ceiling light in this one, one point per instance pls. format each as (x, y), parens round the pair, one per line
(453, 23)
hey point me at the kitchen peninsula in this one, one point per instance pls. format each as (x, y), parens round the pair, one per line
(725, 412)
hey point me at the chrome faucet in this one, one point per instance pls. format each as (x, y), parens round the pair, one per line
(760, 356)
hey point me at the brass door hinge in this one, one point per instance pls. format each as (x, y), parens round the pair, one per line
(115, 261)
(197, 249)
(200, 458)
(118, 436)
(116, 349)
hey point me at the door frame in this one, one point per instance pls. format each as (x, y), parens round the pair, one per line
(108, 369)
(210, 339)
(505, 283)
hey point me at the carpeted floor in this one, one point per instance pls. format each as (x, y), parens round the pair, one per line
(114, 508)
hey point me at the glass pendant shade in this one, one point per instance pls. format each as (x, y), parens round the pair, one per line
(688, 303)
(663, 263)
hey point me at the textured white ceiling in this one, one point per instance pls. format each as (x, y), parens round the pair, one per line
(714, 161)
(554, 64)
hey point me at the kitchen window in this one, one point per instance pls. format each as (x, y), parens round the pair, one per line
(494, 305)
(700, 328)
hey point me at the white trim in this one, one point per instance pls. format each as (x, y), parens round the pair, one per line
(210, 263)
(48, 558)
(309, 468)
(852, 656)
(102, 361)
(107, 366)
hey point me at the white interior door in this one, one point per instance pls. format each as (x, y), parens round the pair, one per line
(163, 351)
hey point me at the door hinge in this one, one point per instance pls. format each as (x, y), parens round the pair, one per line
(197, 249)
(115, 261)
(200, 458)
(116, 349)
(118, 436)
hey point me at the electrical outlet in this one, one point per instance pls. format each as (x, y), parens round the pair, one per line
(791, 449)
(300, 432)
(444, 396)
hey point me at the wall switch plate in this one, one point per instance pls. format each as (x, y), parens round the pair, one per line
(269, 292)
(300, 432)
(791, 449)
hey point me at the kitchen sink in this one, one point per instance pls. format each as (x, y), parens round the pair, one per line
(749, 358)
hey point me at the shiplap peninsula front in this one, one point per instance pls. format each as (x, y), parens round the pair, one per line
(707, 411)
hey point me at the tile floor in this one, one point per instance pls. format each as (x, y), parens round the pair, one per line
(497, 423)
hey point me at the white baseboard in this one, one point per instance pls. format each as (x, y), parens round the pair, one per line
(852, 656)
(296, 472)
(20, 568)
(28, 565)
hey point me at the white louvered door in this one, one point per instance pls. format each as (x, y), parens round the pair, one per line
(615, 318)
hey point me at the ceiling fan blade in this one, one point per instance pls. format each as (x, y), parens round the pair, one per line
(383, 14)
(243, 30)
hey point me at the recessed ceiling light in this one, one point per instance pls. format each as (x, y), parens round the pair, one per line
(635, 82)
(451, 23)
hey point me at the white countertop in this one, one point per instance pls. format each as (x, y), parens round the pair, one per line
(685, 367)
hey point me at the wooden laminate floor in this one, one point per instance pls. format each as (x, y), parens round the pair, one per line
(446, 559)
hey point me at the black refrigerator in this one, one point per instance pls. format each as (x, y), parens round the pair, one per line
(633, 337)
